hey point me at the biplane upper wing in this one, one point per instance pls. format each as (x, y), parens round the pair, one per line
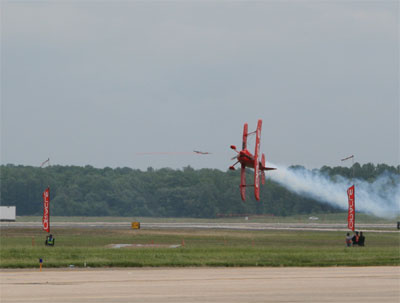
(243, 182)
(256, 162)
(244, 145)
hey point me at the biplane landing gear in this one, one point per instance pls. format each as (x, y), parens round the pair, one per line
(232, 167)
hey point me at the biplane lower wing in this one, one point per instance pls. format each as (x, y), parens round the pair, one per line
(243, 182)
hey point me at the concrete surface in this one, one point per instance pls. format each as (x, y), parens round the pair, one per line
(328, 284)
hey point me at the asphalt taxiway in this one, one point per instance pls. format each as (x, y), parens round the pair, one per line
(194, 225)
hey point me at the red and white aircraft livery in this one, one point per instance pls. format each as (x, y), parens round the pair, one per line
(246, 159)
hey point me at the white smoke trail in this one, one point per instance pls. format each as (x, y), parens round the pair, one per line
(380, 198)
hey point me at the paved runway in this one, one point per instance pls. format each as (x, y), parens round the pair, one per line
(189, 225)
(329, 284)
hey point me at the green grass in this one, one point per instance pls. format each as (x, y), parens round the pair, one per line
(202, 248)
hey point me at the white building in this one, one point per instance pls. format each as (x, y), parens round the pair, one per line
(7, 213)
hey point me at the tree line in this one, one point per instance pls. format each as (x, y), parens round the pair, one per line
(203, 193)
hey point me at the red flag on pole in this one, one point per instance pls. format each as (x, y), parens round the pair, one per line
(352, 208)
(46, 210)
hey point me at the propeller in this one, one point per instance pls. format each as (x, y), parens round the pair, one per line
(239, 154)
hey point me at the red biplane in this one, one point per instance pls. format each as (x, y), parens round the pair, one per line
(246, 159)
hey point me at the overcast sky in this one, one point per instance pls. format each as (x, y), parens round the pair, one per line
(97, 82)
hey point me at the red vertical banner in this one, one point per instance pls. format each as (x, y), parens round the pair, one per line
(352, 208)
(46, 210)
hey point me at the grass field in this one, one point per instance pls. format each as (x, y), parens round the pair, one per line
(21, 248)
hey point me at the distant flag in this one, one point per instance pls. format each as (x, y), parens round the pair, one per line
(47, 161)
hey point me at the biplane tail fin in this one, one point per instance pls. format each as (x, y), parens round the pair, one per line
(262, 171)
(263, 167)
